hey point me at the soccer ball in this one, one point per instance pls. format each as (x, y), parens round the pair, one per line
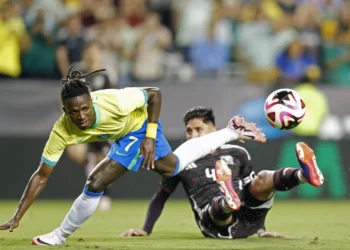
(284, 109)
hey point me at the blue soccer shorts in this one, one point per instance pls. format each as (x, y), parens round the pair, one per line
(126, 151)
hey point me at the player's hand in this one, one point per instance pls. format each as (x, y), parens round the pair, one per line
(134, 232)
(148, 151)
(11, 225)
(272, 235)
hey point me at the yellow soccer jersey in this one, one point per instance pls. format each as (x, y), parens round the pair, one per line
(118, 112)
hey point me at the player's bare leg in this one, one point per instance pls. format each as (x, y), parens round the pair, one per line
(106, 172)
(266, 183)
(92, 159)
(191, 150)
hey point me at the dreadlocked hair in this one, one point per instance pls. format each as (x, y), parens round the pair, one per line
(75, 84)
(206, 114)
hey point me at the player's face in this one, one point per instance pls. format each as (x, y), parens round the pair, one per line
(80, 111)
(197, 128)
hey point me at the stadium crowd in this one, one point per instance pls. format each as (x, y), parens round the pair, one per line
(266, 41)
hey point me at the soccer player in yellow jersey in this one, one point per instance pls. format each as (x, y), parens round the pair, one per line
(130, 118)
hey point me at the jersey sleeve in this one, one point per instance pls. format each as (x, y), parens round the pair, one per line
(169, 184)
(54, 147)
(129, 99)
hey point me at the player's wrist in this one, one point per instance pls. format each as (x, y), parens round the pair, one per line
(147, 230)
(261, 232)
(151, 131)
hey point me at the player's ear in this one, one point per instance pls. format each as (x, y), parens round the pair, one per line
(64, 109)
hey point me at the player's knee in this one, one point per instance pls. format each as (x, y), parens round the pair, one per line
(259, 179)
(167, 165)
(93, 184)
(167, 174)
(263, 176)
(260, 184)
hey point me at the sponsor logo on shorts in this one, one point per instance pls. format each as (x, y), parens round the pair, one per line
(122, 154)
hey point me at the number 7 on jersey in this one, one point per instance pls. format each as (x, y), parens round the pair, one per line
(134, 139)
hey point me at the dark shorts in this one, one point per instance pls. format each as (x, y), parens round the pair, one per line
(246, 222)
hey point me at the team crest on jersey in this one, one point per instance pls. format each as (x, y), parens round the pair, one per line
(228, 159)
(104, 137)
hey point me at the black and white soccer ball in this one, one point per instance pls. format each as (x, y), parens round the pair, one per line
(284, 109)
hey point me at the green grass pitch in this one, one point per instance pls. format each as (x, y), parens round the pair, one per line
(311, 224)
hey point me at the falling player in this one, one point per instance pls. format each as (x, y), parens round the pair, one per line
(218, 210)
(130, 118)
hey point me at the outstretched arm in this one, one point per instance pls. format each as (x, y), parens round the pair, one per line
(155, 209)
(153, 110)
(263, 234)
(34, 187)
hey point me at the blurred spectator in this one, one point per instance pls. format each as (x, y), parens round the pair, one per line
(40, 59)
(307, 20)
(13, 39)
(211, 53)
(124, 42)
(54, 12)
(71, 43)
(73, 5)
(93, 12)
(164, 9)
(135, 11)
(88, 7)
(337, 61)
(153, 39)
(344, 19)
(111, 33)
(294, 63)
(251, 33)
(330, 8)
(191, 21)
(287, 6)
(104, 10)
(336, 52)
(231, 11)
(316, 109)
(276, 10)
(93, 60)
(260, 41)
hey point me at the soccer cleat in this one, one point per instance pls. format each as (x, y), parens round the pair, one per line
(224, 179)
(50, 239)
(308, 164)
(246, 130)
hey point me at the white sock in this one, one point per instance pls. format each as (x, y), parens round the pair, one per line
(82, 209)
(196, 148)
(224, 207)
